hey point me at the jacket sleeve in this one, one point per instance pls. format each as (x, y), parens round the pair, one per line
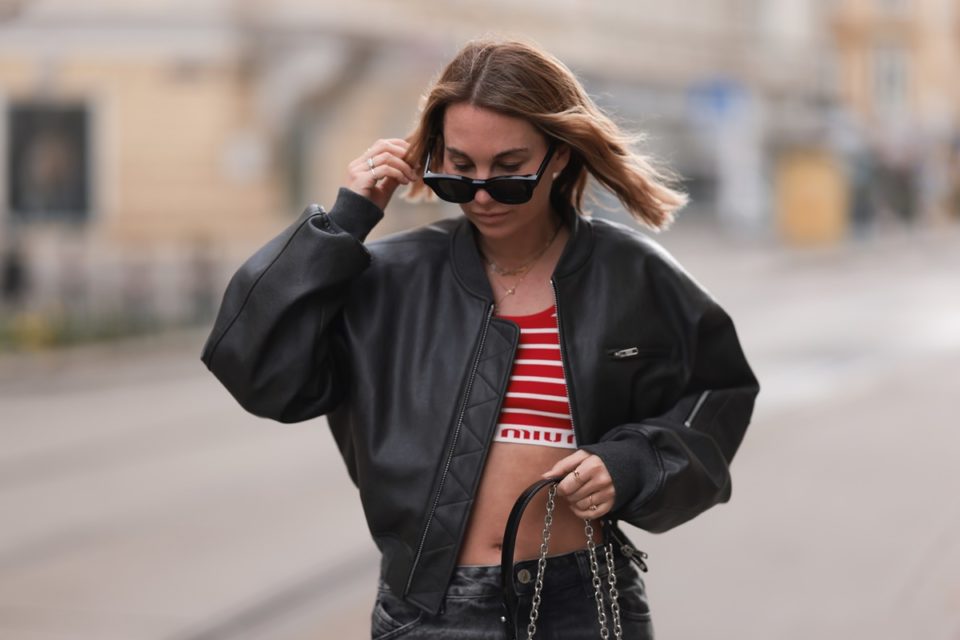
(669, 468)
(274, 343)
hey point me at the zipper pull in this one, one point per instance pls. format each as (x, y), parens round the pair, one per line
(636, 555)
(640, 560)
(620, 354)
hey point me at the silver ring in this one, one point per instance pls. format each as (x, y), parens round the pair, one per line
(374, 173)
(370, 162)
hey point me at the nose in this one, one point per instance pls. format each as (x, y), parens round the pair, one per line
(482, 197)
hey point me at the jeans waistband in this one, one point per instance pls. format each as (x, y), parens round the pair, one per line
(562, 571)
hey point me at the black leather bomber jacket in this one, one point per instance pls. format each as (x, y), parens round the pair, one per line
(396, 342)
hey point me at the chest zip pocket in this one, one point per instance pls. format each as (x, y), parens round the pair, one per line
(624, 354)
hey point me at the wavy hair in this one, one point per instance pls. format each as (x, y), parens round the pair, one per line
(521, 80)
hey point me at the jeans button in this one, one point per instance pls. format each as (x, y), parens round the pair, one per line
(524, 576)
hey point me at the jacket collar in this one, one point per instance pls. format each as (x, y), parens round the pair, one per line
(468, 263)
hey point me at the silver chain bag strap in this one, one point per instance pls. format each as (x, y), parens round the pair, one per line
(509, 543)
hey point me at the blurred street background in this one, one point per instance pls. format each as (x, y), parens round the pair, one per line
(148, 147)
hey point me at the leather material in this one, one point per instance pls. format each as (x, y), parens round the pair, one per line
(611, 535)
(510, 598)
(395, 342)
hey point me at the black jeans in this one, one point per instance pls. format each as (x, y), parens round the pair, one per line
(473, 605)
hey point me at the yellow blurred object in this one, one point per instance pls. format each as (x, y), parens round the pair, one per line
(813, 196)
(34, 331)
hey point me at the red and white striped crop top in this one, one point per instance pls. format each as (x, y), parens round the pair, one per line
(536, 409)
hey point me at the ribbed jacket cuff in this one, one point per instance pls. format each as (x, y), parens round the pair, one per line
(354, 214)
(633, 465)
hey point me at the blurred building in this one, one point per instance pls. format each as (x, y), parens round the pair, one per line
(898, 64)
(150, 146)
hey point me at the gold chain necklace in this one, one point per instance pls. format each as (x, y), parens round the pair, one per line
(508, 291)
(527, 265)
(522, 270)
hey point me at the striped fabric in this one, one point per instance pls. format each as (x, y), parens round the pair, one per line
(536, 409)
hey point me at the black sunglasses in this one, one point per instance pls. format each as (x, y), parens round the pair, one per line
(504, 189)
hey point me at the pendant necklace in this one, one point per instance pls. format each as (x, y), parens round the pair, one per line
(523, 270)
(503, 271)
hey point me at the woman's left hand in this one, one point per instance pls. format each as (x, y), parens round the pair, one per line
(586, 484)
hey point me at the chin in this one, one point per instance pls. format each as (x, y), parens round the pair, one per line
(500, 223)
(494, 226)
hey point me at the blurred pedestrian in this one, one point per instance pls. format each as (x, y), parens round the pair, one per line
(460, 362)
(13, 274)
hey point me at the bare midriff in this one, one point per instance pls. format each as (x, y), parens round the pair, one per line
(509, 470)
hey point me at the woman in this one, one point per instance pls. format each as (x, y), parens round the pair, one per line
(460, 362)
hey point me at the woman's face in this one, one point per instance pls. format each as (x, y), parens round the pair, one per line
(479, 143)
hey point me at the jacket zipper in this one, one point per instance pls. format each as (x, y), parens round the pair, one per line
(563, 364)
(629, 352)
(453, 445)
(696, 408)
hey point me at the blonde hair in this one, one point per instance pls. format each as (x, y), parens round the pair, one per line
(517, 79)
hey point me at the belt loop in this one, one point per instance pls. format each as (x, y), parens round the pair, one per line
(608, 532)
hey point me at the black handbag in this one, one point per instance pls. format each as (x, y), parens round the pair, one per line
(510, 599)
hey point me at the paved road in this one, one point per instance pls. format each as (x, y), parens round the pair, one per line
(139, 502)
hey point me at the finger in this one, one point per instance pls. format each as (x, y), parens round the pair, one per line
(602, 509)
(400, 142)
(388, 171)
(381, 154)
(378, 148)
(566, 465)
(397, 146)
(592, 488)
(589, 472)
(571, 483)
(363, 178)
(596, 478)
(598, 498)
(388, 159)
(358, 173)
(564, 469)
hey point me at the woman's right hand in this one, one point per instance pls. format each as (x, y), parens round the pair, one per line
(388, 171)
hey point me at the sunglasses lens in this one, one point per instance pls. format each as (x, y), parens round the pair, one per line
(510, 191)
(451, 190)
(505, 191)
